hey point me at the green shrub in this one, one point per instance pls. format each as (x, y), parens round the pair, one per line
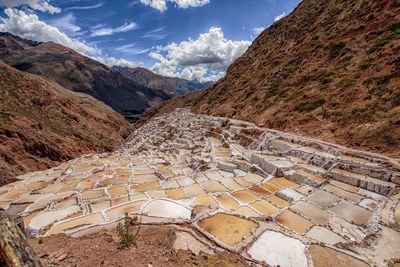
(395, 99)
(128, 231)
(345, 83)
(309, 105)
(391, 32)
(365, 63)
(336, 48)
(326, 78)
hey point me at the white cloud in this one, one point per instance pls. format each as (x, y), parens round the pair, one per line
(279, 17)
(100, 4)
(258, 30)
(66, 23)
(131, 49)
(29, 26)
(41, 5)
(205, 58)
(161, 5)
(156, 34)
(111, 61)
(103, 31)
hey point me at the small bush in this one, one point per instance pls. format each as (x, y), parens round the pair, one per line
(309, 105)
(391, 32)
(395, 99)
(336, 48)
(326, 78)
(365, 63)
(128, 231)
(345, 83)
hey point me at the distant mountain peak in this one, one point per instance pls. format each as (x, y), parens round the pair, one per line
(169, 85)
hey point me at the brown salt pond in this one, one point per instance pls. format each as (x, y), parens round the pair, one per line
(227, 228)
(205, 201)
(175, 193)
(91, 219)
(213, 187)
(294, 222)
(193, 191)
(119, 211)
(323, 256)
(227, 202)
(245, 196)
(265, 208)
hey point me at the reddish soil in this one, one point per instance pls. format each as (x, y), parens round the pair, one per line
(43, 124)
(153, 246)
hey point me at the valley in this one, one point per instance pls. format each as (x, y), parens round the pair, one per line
(223, 185)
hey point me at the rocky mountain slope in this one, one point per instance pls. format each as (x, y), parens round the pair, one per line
(43, 124)
(330, 69)
(171, 86)
(78, 73)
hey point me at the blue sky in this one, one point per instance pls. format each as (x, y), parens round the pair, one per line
(162, 35)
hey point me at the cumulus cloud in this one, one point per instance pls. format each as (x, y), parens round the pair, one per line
(204, 59)
(279, 17)
(41, 5)
(29, 26)
(161, 5)
(103, 31)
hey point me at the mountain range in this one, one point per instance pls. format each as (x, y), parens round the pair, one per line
(330, 69)
(168, 85)
(77, 73)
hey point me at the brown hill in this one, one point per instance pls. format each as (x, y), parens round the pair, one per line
(171, 86)
(330, 69)
(77, 72)
(42, 124)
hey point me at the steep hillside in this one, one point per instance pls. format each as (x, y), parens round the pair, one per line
(78, 73)
(42, 123)
(171, 86)
(330, 69)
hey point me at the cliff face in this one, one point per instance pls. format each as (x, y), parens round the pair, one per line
(330, 69)
(43, 124)
(77, 73)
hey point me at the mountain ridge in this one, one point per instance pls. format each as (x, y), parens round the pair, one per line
(43, 124)
(77, 73)
(328, 70)
(170, 85)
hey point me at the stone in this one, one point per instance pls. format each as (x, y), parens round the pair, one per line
(186, 241)
(277, 249)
